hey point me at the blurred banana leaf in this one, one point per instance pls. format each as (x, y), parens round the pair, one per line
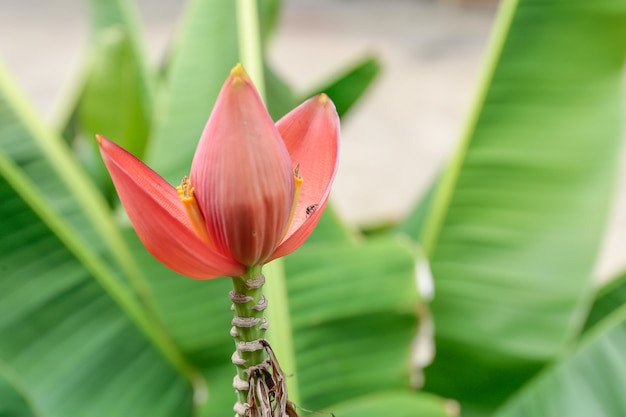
(114, 97)
(13, 403)
(404, 404)
(73, 318)
(269, 15)
(348, 87)
(68, 348)
(279, 96)
(368, 294)
(588, 382)
(111, 104)
(608, 299)
(516, 222)
(415, 222)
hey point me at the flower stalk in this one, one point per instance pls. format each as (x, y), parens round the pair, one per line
(248, 330)
(259, 383)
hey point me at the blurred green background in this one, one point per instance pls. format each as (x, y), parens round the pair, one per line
(499, 163)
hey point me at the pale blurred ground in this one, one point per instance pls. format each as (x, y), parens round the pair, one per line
(394, 141)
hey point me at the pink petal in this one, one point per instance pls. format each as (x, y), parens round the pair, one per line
(159, 217)
(242, 174)
(311, 134)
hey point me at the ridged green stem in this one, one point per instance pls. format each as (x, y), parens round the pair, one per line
(248, 305)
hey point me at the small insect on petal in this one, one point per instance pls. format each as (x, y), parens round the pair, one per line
(311, 209)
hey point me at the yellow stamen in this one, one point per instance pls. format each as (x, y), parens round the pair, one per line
(185, 193)
(296, 195)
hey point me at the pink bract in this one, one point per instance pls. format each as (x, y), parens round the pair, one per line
(243, 182)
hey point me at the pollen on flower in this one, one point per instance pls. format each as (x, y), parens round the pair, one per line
(185, 190)
(299, 181)
(185, 193)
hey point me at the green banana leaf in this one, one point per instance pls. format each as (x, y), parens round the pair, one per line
(54, 176)
(69, 308)
(588, 382)
(609, 298)
(517, 220)
(13, 403)
(117, 100)
(348, 87)
(114, 97)
(401, 404)
(414, 224)
(368, 294)
(68, 347)
(113, 102)
(269, 15)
